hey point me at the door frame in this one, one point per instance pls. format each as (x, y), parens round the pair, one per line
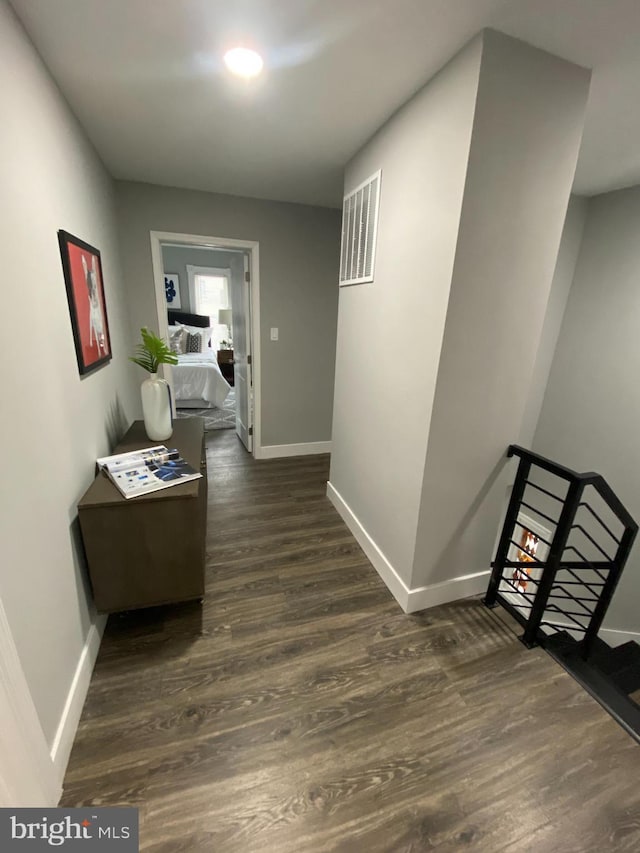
(158, 238)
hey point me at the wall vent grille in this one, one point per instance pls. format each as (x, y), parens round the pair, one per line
(359, 232)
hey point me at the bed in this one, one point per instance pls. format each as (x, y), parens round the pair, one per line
(197, 380)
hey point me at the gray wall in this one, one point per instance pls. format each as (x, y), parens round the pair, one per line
(390, 331)
(54, 423)
(476, 177)
(176, 260)
(299, 255)
(560, 288)
(526, 136)
(590, 418)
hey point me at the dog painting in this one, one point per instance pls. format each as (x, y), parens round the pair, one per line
(82, 268)
(96, 321)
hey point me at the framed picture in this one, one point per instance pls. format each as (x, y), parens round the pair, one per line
(172, 290)
(85, 292)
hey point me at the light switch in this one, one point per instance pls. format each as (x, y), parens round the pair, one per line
(274, 334)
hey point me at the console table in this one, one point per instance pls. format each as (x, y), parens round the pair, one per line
(148, 550)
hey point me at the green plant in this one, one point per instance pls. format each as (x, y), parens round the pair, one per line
(152, 352)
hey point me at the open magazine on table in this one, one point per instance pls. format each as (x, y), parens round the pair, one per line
(140, 472)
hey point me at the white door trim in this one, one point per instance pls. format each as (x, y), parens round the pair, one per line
(28, 776)
(241, 322)
(252, 246)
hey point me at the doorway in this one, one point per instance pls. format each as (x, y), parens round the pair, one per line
(219, 290)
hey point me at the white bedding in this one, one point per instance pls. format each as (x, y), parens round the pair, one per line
(197, 376)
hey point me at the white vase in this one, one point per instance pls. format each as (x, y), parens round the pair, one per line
(156, 408)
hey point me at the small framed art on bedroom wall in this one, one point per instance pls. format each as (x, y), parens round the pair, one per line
(172, 290)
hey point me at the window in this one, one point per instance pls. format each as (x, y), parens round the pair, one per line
(208, 293)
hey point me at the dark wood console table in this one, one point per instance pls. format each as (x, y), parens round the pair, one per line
(148, 550)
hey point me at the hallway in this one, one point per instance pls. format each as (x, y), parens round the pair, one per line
(299, 710)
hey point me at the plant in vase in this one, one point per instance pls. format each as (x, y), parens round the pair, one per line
(155, 392)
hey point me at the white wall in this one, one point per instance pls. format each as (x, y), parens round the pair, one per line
(526, 137)
(299, 256)
(390, 331)
(54, 423)
(590, 418)
(433, 372)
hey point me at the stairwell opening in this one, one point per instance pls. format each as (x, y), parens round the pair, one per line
(529, 546)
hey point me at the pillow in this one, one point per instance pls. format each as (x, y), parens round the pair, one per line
(198, 330)
(195, 342)
(177, 339)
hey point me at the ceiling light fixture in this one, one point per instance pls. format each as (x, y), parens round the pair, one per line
(243, 62)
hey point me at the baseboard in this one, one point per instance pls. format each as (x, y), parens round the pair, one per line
(464, 586)
(66, 732)
(410, 600)
(614, 637)
(392, 579)
(277, 451)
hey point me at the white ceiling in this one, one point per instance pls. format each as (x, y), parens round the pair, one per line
(146, 80)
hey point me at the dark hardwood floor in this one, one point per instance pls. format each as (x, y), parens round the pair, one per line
(299, 710)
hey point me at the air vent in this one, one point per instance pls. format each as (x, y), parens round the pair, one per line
(359, 229)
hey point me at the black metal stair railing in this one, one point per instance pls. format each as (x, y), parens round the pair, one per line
(573, 590)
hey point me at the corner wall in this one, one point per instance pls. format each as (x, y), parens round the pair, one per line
(524, 149)
(299, 256)
(560, 288)
(54, 423)
(476, 175)
(590, 418)
(390, 331)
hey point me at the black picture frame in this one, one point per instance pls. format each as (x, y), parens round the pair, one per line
(82, 268)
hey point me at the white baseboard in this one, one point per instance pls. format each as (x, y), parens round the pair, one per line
(614, 637)
(410, 600)
(68, 725)
(276, 451)
(463, 586)
(610, 636)
(392, 579)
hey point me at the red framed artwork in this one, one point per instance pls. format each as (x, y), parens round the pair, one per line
(85, 292)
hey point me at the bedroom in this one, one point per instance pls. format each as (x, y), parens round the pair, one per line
(204, 289)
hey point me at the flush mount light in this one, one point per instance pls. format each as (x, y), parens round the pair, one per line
(243, 62)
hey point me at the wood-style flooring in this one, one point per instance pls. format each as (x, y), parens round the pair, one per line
(299, 710)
